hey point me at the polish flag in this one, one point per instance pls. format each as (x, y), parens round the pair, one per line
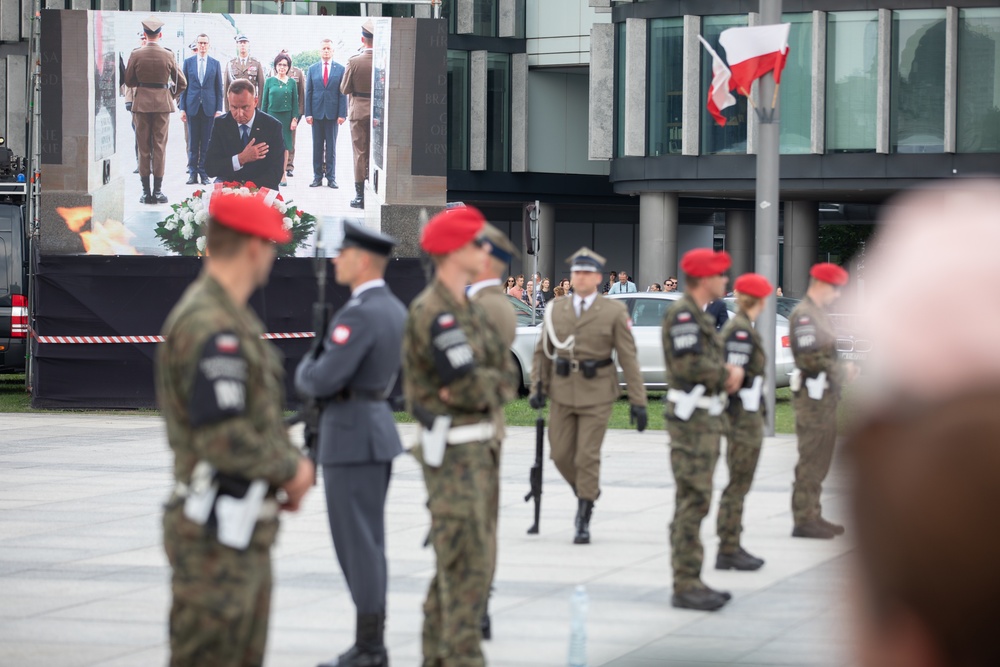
(753, 52)
(719, 96)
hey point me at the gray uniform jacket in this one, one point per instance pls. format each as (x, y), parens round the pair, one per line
(361, 354)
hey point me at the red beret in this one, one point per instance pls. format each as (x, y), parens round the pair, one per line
(705, 262)
(250, 215)
(753, 284)
(829, 273)
(451, 229)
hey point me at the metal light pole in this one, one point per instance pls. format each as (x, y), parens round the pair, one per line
(768, 205)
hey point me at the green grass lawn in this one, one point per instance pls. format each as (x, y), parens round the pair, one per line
(519, 413)
(14, 398)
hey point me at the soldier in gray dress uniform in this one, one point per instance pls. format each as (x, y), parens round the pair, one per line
(351, 373)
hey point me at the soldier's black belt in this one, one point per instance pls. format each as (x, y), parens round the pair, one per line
(587, 366)
(154, 85)
(357, 395)
(361, 95)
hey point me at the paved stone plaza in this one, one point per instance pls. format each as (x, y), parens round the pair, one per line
(84, 581)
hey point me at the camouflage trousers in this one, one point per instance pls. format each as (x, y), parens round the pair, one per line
(460, 495)
(816, 429)
(693, 455)
(742, 452)
(221, 597)
(493, 516)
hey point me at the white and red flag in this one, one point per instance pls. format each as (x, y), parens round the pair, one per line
(753, 52)
(719, 96)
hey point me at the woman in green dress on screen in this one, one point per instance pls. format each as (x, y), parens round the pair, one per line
(281, 100)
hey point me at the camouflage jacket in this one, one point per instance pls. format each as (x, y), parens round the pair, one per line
(743, 348)
(814, 342)
(220, 388)
(451, 344)
(694, 355)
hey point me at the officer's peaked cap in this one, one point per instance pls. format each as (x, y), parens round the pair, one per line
(585, 259)
(358, 236)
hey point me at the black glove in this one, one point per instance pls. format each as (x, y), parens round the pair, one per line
(537, 401)
(637, 416)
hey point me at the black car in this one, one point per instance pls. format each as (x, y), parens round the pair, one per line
(13, 289)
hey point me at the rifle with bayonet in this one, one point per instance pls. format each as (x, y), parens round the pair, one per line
(535, 476)
(311, 408)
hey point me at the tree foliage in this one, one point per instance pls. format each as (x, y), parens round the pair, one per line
(840, 243)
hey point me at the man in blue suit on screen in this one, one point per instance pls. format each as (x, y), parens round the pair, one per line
(326, 110)
(200, 105)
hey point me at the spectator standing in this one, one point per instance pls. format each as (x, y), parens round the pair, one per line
(508, 285)
(670, 284)
(517, 291)
(612, 279)
(326, 111)
(718, 311)
(655, 287)
(544, 294)
(200, 104)
(623, 286)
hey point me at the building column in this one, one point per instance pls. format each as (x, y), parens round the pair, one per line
(801, 245)
(477, 110)
(740, 241)
(658, 216)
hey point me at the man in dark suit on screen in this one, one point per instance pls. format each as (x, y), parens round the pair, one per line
(326, 110)
(200, 105)
(246, 143)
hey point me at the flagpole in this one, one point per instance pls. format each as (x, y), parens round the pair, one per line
(768, 205)
(774, 98)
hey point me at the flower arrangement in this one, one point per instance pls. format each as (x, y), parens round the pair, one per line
(183, 231)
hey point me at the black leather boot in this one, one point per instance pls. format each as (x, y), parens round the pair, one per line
(145, 198)
(359, 201)
(369, 645)
(586, 507)
(158, 196)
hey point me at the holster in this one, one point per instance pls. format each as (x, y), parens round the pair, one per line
(562, 367)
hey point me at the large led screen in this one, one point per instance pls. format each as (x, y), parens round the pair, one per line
(93, 179)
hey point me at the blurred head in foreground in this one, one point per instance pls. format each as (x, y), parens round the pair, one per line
(931, 290)
(925, 503)
(926, 462)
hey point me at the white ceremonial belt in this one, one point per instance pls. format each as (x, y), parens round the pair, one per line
(714, 404)
(463, 435)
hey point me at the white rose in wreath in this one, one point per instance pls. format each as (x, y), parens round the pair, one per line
(201, 243)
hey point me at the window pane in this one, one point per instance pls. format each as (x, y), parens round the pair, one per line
(448, 13)
(851, 81)
(263, 7)
(497, 111)
(458, 109)
(666, 84)
(484, 18)
(732, 137)
(979, 81)
(796, 87)
(620, 92)
(916, 121)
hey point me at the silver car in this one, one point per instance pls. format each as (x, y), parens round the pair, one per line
(646, 310)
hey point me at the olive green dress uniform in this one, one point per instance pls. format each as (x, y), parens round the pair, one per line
(581, 407)
(150, 71)
(357, 82)
(460, 490)
(251, 70)
(694, 356)
(814, 347)
(221, 595)
(743, 348)
(299, 77)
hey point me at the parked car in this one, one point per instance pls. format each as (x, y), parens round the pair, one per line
(646, 310)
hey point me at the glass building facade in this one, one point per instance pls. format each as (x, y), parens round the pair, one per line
(498, 112)
(458, 109)
(796, 87)
(666, 86)
(978, 116)
(851, 81)
(917, 84)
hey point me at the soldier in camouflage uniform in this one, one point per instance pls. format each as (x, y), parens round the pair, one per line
(455, 379)
(816, 384)
(220, 388)
(746, 419)
(699, 379)
(488, 294)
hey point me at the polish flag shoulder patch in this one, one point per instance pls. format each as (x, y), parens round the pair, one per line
(446, 321)
(341, 334)
(683, 317)
(227, 343)
(742, 335)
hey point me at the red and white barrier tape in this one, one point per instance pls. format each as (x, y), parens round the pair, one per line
(147, 339)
